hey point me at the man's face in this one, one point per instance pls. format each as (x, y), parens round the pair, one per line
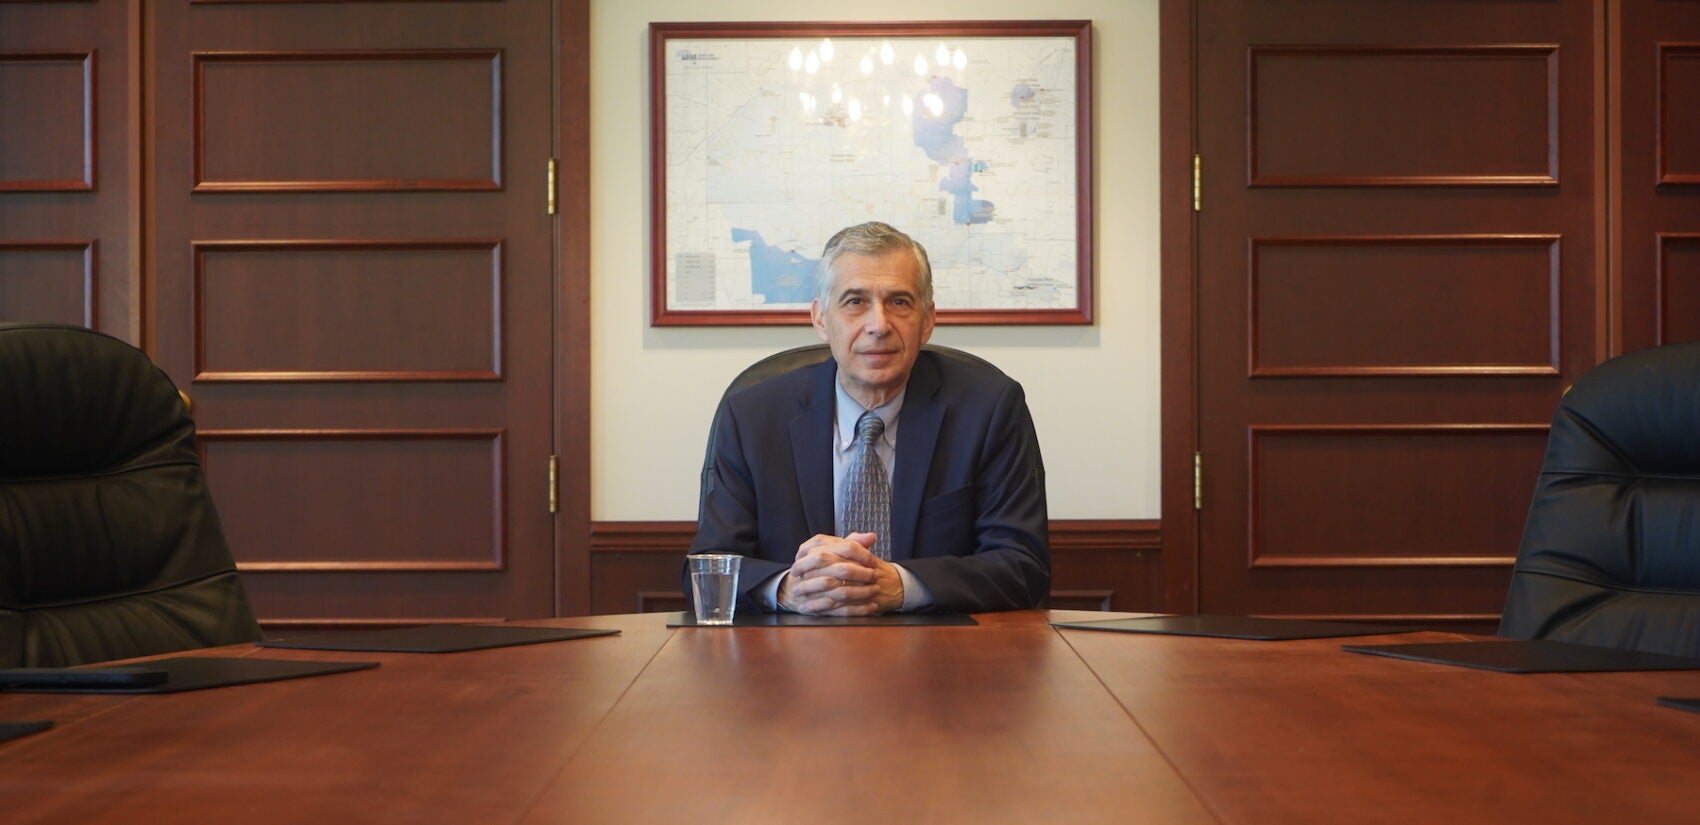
(875, 322)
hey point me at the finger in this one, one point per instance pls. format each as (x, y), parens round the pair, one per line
(815, 563)
(818, 606)
(845, 594)
(826, 592)
(853, 549)
(856, 609)
(854, 593)
(865, 540)
(814, 586)
(851, 573)
(814, 541)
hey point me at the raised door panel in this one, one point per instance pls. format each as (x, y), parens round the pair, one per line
(1404, 305)
(51, 281)
(303, 504)
(402, 119)
(48, 130)
(1396, 258)
(303, 310)
(1402, 115)
(354, 278)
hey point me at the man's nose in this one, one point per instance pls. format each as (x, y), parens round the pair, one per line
(876, 319)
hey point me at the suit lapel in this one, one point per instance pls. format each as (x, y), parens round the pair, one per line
(917, 433)
(811, 450)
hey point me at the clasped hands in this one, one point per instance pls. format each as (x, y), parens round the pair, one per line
(835, 576)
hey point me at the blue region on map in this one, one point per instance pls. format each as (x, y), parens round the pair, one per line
(781, 276)
(936, 135)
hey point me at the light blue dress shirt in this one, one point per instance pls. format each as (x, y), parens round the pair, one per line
(915, 594)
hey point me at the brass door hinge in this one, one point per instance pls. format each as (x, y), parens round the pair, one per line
(553, 180)
(1197, 183)
(1197, 481)
(554, 484)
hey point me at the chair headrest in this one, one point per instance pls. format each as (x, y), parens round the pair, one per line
(783, 362)
(1639, 412)
(77, 401)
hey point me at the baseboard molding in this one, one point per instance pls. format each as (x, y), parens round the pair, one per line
(1067, 536)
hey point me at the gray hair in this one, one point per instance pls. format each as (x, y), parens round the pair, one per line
(873, 239)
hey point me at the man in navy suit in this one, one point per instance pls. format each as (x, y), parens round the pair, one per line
(967, 488)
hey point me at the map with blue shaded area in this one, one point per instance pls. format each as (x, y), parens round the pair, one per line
(975, 156)
(780, 276)
(936, 135)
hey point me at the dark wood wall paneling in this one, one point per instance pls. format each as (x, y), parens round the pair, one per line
(1110, 564)
(1178, 251)
(1393, 293)
(327, 223)
(572, 311)
(1656, 188)
(1418, 226)
(69, 180)
(76, 220)
(351, 272)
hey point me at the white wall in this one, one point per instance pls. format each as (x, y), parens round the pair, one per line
(1093, 390)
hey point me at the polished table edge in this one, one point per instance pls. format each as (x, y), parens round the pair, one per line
(622, 621)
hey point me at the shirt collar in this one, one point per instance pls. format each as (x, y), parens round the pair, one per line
(848, 412)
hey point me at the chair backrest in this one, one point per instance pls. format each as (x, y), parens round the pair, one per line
(780, 363)
(783, 362)
(1611, 550)
(109, 543)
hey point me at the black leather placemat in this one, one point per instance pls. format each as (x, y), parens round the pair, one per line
(13, 730)
(437, 638)
(1538, 656)
(1688, 704)
(799, 620)
(1236, 627)
(201, 672)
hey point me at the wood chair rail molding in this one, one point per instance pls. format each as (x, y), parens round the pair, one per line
(1097, 564)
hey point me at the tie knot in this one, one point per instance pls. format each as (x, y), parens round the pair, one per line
(869, 428)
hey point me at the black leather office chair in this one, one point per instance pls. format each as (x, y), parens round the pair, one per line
(109, 543)
(1611, 551)
(780, 363)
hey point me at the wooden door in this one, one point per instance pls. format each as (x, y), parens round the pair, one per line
(352, 276)
(1396, 279)
(67, 171)
(1656, 115)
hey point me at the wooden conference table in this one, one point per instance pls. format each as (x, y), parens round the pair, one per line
(1009, 722)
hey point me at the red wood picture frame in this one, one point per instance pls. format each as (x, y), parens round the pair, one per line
(665, 312)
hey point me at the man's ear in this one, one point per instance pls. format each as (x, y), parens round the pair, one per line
(927, 325)
(818, 319)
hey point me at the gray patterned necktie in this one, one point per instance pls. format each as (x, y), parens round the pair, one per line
(867, 493)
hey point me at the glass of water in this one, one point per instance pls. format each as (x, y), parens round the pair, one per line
(714, 586)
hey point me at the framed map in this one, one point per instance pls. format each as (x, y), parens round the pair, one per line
(972, 137)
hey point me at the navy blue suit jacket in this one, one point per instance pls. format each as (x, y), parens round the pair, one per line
(968, 490)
